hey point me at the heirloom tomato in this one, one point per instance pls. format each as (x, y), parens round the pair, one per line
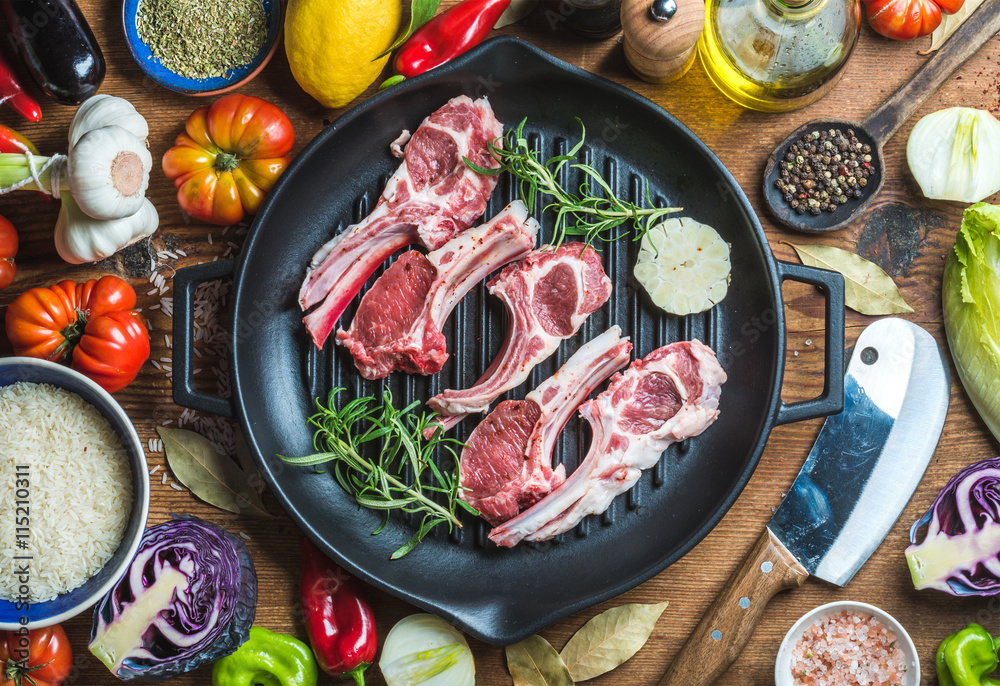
(40, 656)
(908, 19)
(8, 250)
(228, 157)
(90, 323)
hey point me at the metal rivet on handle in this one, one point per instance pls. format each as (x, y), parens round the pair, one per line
(766, 567)
(744, 602)
(716, 635)
(869, 355)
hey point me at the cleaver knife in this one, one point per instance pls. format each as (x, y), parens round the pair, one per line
(858, 477)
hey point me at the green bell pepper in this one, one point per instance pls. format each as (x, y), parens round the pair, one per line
(268, 659)
(967, 657)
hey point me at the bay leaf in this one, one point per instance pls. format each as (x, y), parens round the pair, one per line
(610, 639)
(515, 12)
(214, 478)
(867, 289)
(534, 662)
(950, 23)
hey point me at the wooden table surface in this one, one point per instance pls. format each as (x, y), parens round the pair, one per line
(924, 230)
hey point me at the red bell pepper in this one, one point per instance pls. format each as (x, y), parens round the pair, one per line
(12, 141)
(339, 621)
(448, 35)
(12, 93)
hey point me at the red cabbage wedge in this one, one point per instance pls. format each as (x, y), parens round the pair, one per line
(189, 598)
(959, 552)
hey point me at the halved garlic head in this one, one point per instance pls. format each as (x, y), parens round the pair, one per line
(683, 265)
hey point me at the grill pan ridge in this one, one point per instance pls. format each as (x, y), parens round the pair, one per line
(503, 595)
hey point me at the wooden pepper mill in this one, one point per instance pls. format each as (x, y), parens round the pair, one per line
(661, 37)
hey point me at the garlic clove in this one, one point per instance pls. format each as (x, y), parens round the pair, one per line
(106, 110)
(80, 238)
(108, 171)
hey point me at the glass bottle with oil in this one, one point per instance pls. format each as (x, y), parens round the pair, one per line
(778, 55)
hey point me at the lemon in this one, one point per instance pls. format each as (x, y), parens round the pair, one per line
(683, 265)
(331, 43)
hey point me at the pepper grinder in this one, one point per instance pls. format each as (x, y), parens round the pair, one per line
(660, 37)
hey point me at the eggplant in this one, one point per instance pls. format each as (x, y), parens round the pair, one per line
(57, 46)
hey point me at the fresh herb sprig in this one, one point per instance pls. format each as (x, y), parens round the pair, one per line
(593, 215)
(378, 483)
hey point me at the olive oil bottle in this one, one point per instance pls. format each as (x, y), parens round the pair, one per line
(778, 55)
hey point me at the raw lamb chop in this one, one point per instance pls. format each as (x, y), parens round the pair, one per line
(398, 322)
(507, 462)
(431, 197)
(670, 395)
(548, 295)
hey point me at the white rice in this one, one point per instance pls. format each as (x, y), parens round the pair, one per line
(73, 531)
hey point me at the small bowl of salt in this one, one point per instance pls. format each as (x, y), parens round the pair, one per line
(844, 644)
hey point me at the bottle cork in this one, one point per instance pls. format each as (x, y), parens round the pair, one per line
(661, 37)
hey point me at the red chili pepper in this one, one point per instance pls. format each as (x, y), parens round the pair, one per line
(339, 621)
(12, 141)
(448, 35)
(12, 93)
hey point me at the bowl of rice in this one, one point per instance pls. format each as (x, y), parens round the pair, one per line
(74, 493)
(844, 644)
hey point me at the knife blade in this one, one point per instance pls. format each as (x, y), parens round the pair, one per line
(856, 481)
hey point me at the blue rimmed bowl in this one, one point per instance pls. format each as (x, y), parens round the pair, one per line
(214, 86)
(72, 603)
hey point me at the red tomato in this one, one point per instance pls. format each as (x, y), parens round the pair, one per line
(112, 350)
(48, 653)
(908, 19)
(229, 158)
(92, 322)
(8, 250)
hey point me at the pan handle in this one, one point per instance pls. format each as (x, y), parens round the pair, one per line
(831, 400)
(185, 282)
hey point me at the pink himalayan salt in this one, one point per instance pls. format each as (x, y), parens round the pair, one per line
(848, 649)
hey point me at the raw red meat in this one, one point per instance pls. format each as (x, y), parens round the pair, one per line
(398, 323)
(671, 394)
(548, 295)
(507, 462)
(431, 197)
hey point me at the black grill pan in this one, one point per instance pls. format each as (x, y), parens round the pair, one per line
(501, 595)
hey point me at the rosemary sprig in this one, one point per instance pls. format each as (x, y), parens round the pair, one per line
(594, 215)
(378, 483)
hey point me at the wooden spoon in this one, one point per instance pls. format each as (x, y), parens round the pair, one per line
(879, 126)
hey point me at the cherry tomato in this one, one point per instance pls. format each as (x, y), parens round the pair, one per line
(908, 19)
(113, 348)
(8, 250)
(229, 157)
(48, 653)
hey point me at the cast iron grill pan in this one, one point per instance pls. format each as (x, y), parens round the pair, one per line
(503, 595)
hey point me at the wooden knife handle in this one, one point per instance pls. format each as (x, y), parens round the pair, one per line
(728, 624)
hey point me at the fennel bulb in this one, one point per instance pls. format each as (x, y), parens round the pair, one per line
(954, 154)
(971, 299)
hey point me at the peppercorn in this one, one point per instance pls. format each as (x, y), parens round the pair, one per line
(823, 170)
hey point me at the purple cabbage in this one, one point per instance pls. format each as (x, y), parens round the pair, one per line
(960, 551)
(188, 598)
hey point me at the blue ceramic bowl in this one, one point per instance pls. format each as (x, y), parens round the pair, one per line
(72, 603)
(214, 86)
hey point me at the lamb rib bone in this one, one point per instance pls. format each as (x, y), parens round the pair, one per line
(548, 296)
(507, 464)
(398, 323)
(668, 396)
(430, 198)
